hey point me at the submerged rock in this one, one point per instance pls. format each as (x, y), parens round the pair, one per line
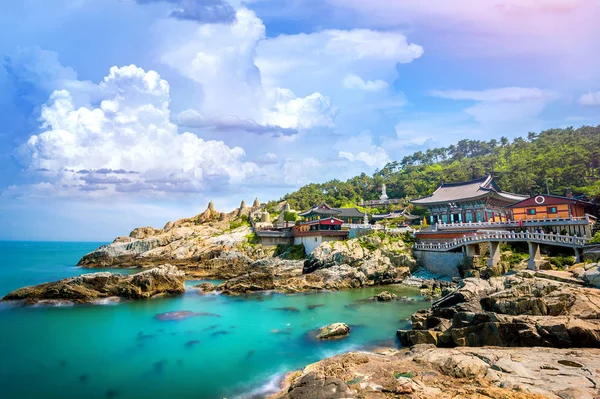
(334, 331)
(384, 296)
(89, 288)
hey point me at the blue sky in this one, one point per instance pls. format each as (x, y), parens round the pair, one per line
(122, 113)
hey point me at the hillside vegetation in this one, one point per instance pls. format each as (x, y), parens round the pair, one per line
(562, 158)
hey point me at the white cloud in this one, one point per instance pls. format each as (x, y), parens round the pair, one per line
(355, 82)
(514, 108)
(493, 95)
(361, 149)
(366, 43)
(290, 111)
(221, 58)
(591, 98)
(127, 143)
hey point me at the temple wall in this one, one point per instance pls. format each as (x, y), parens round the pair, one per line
(445, 263)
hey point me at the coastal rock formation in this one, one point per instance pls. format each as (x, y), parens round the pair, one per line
(377, 256)
(334, 331)
(425, 372)
(591, 274)
(385, 296)
(165, 279)
(516, 310)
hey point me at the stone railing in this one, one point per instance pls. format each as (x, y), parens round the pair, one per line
(353, 226)
(583, 220)
(505, 236)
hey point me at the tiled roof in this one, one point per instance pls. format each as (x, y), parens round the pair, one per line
(451, 192)
(324, 209)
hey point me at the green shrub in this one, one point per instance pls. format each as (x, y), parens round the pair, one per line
(595, 239)
(367, 245)
(290, 216)
(290, 252)
(562, 261)
(253, 239)
(239, 222)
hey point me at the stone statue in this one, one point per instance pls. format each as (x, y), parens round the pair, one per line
(384, 196)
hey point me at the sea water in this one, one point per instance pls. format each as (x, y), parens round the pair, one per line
(230, 346)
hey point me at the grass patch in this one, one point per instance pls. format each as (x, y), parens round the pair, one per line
(239, 222)
(290, 252)
(514, 258)
(562, 261)
(253, 239)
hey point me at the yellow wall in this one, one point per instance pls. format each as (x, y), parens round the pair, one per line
(541, 212)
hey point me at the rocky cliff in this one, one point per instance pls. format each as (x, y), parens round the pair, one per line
(359, 262)
(211, 244)
(166, 279)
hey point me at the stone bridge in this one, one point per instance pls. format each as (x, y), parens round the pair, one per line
(496, 238)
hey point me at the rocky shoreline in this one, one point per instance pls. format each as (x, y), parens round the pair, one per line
(425, 372)
(89, 288)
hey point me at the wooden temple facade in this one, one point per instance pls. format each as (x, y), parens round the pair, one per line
(479, 200)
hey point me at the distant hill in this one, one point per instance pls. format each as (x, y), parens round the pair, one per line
(565, 159)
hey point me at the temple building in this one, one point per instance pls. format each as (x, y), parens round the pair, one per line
(404, 214)
(544, 207)
(324, 211)
(479, 200)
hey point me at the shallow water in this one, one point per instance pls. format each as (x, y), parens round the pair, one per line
(227, 347)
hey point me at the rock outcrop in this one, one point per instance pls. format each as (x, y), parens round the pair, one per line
(426, 372)
(378, 256)
(516, 310)
(166, 279)
(385, 296)
(334, 331)
(591, 274)
(208, 245)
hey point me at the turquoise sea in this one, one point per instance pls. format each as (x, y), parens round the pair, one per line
(241, 347)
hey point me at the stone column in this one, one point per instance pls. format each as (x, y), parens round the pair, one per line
(494, 253)
(578, 255)
(471, 250)
(535, 257)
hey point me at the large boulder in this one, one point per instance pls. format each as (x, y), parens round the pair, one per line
(385, 296)
(166, 279)
(592, 275)
(260, 280)
(517, 310)
(334, 331)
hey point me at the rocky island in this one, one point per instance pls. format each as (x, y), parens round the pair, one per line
(88, 288)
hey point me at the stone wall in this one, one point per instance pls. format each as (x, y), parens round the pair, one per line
(445, 263)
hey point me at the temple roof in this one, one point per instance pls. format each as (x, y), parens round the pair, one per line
(396, 214)
(470, 190)
(326, 210)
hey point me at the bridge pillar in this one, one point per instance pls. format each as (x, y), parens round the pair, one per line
(535, 257)
(578, 255)
(494, 253)
(472, 249)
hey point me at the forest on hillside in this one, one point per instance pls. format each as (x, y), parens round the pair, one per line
(556, 159)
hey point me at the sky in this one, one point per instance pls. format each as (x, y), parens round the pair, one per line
(123, 113)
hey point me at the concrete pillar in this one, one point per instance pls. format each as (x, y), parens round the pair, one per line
(578, 255)
(471, 249)
(494, 253)
(535, 257)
